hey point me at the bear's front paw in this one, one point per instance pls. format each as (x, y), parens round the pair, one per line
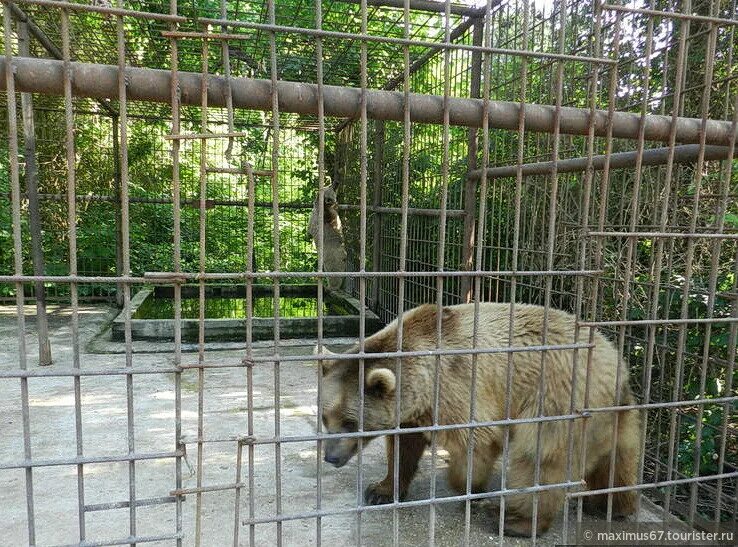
(378, 494)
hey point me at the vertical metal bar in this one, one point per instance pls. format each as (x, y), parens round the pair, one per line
(407, 133)
(202, 219)
(115, 123)
(440, 265)
(378, 166)
(470, 185)
(73, 293)
(250, 267)
(237, 494)
(732, 337)
(596, 254)
(550, 246)
(123, 115)
(714, 255)
(479, 260)
(514, 267)
(678, 100)
(18, 262)
(321, 256)
(363, 177)
(274, 76)
(177, 263)
(34, 215)
(225, 51)
(630, 253)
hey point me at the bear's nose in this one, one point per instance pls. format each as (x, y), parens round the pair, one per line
(331, 459)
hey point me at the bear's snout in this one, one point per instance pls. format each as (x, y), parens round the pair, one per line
(338, 452)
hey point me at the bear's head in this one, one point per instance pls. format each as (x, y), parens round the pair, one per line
(341, 402)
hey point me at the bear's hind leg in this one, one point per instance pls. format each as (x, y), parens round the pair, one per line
(412, 446)
(481, 471)
(519, 507)
(626, 471)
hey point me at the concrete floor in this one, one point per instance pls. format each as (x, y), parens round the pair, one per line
(104, 432)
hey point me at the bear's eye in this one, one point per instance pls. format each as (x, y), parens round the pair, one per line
(350, 425)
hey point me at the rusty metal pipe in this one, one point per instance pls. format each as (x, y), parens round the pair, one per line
(685, 153)
(145, 84)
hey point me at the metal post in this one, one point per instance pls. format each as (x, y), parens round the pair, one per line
(31, 172)
(376, 201)
(470, 186)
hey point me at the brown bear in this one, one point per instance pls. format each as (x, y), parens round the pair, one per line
(596, 388)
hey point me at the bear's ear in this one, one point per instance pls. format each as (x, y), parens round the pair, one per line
(324, 365)
(380, 381)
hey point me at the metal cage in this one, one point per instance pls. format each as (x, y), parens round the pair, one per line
(575, 155)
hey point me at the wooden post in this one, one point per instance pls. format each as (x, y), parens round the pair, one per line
(470, 187)
(31, 175)
(118, 222)
(376, 202)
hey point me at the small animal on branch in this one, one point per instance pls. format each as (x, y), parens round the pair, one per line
(334, 250)
(537, 461)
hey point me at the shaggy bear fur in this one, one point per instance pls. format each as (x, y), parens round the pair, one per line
(341, 407)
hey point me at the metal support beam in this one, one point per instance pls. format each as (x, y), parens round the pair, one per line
(686, 153)
(34, 214)
(145, 84)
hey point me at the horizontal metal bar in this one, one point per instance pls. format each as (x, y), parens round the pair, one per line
(182, 277)
(145, 84)
(61, 373)
(647, 486)
(419, 429)
(243, 202)
(245, 439)
(677, 235)
(423, 5)
(421, 353)
(212, 488)
(195, 136)
(454, 213)
(52, 373)
(74, 6)
(672, 15)
(675, 321)
(44, 373)
(125, 504)
(413, 503)
(130, 540)
(316, 33)
(686, 153)
(238, 171)
(669, 404)
(91, 459)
